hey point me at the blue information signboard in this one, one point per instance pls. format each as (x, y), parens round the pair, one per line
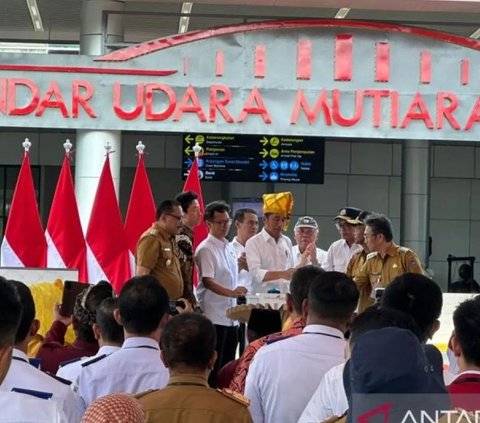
(256, 158)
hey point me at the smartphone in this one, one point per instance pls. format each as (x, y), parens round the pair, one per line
(241, 300)
(378, 294)
(172, 307)
(71, 289)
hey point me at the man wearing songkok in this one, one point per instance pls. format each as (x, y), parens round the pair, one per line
(285, 374)
(136, 367)
(157, 252)
(299, 287)
(342, 250)
(22, 375)
(188, 351)
(16, 407)
(387, 259)
(269, 253)
(306, 250)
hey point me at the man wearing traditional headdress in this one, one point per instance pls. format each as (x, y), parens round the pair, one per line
(269, 253)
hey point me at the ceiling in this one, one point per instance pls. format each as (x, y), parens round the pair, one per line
(150, 19)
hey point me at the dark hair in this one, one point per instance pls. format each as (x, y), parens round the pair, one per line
(465, 271)
(165, 207)
(466, 321)
(93, 297)
(215, 207)
(364, 215)
(10, 312)
(28, 310)
(263, 322)
(188, 338)
(416, 295)
(381, 317)
(300, 284)
(186, 199)
(380, 224)
(240, 214)
(142, 303)
(333, 295)
(108, 326)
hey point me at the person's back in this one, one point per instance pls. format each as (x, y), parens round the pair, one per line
(284, 374)
(188, 350)
(136, 367)
(22, 375)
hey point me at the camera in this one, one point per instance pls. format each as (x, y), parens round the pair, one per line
(241, 300)
(378, 294)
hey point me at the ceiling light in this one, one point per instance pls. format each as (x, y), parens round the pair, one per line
(475, 34)
(342, 13)
(184, 20)
(35, 15)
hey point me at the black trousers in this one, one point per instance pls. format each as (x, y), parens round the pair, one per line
(227, 338)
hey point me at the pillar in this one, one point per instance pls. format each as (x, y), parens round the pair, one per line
(415, 215)
(97, 27)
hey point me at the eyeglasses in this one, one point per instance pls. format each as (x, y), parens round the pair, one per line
(175, 216)
(222, 222)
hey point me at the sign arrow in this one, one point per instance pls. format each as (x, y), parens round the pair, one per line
(263, 164)
(188, 150)
(264, 141)
(189, 138)
(264, 153)
(188, 162)
(263, 176)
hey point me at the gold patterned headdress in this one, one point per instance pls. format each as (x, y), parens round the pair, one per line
(279, 203)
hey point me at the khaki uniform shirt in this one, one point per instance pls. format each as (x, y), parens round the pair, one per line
(157, 251)
(353, 269)
(378, 272)
(188, 399)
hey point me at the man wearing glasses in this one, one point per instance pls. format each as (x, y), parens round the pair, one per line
(342, 250)
(157, 252)
(218, 287)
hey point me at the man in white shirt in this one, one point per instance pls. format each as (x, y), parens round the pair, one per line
(218, 287)
(109, 335)
(18, 407)
(342, 250)
(284, 374)
(269, 253)
(22, 375)
(143, 311)
(306, 250)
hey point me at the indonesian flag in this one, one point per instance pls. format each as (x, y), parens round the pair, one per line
(200, 231)
(24, 242)
(107, 248)
(65, 240)
(141, 209)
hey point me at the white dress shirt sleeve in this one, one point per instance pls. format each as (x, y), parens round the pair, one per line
(252, 392)
(329, 265)
(205, 260)
(253, 255)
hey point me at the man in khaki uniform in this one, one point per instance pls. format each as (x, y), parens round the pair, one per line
(188, 351)
(387, 260)
(157, 252)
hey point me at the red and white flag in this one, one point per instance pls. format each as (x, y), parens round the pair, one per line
(141, 208)
(65, 240)
(24, 242)
(107, 248)
(200, 231)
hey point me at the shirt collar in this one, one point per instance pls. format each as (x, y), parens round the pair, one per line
(465, 374)
(187, 379)
(392, 250)
(218, 242)
(139, 341)
(107, 350)
(266, 236)
(19, 354)
(164, 233)
(323, 329)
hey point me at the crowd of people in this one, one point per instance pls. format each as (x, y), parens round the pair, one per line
(165, 350)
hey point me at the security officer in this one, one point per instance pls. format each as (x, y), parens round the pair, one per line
(188, 350)
(20, 407)
(22, 375)
(387, 259)
(157, 252)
